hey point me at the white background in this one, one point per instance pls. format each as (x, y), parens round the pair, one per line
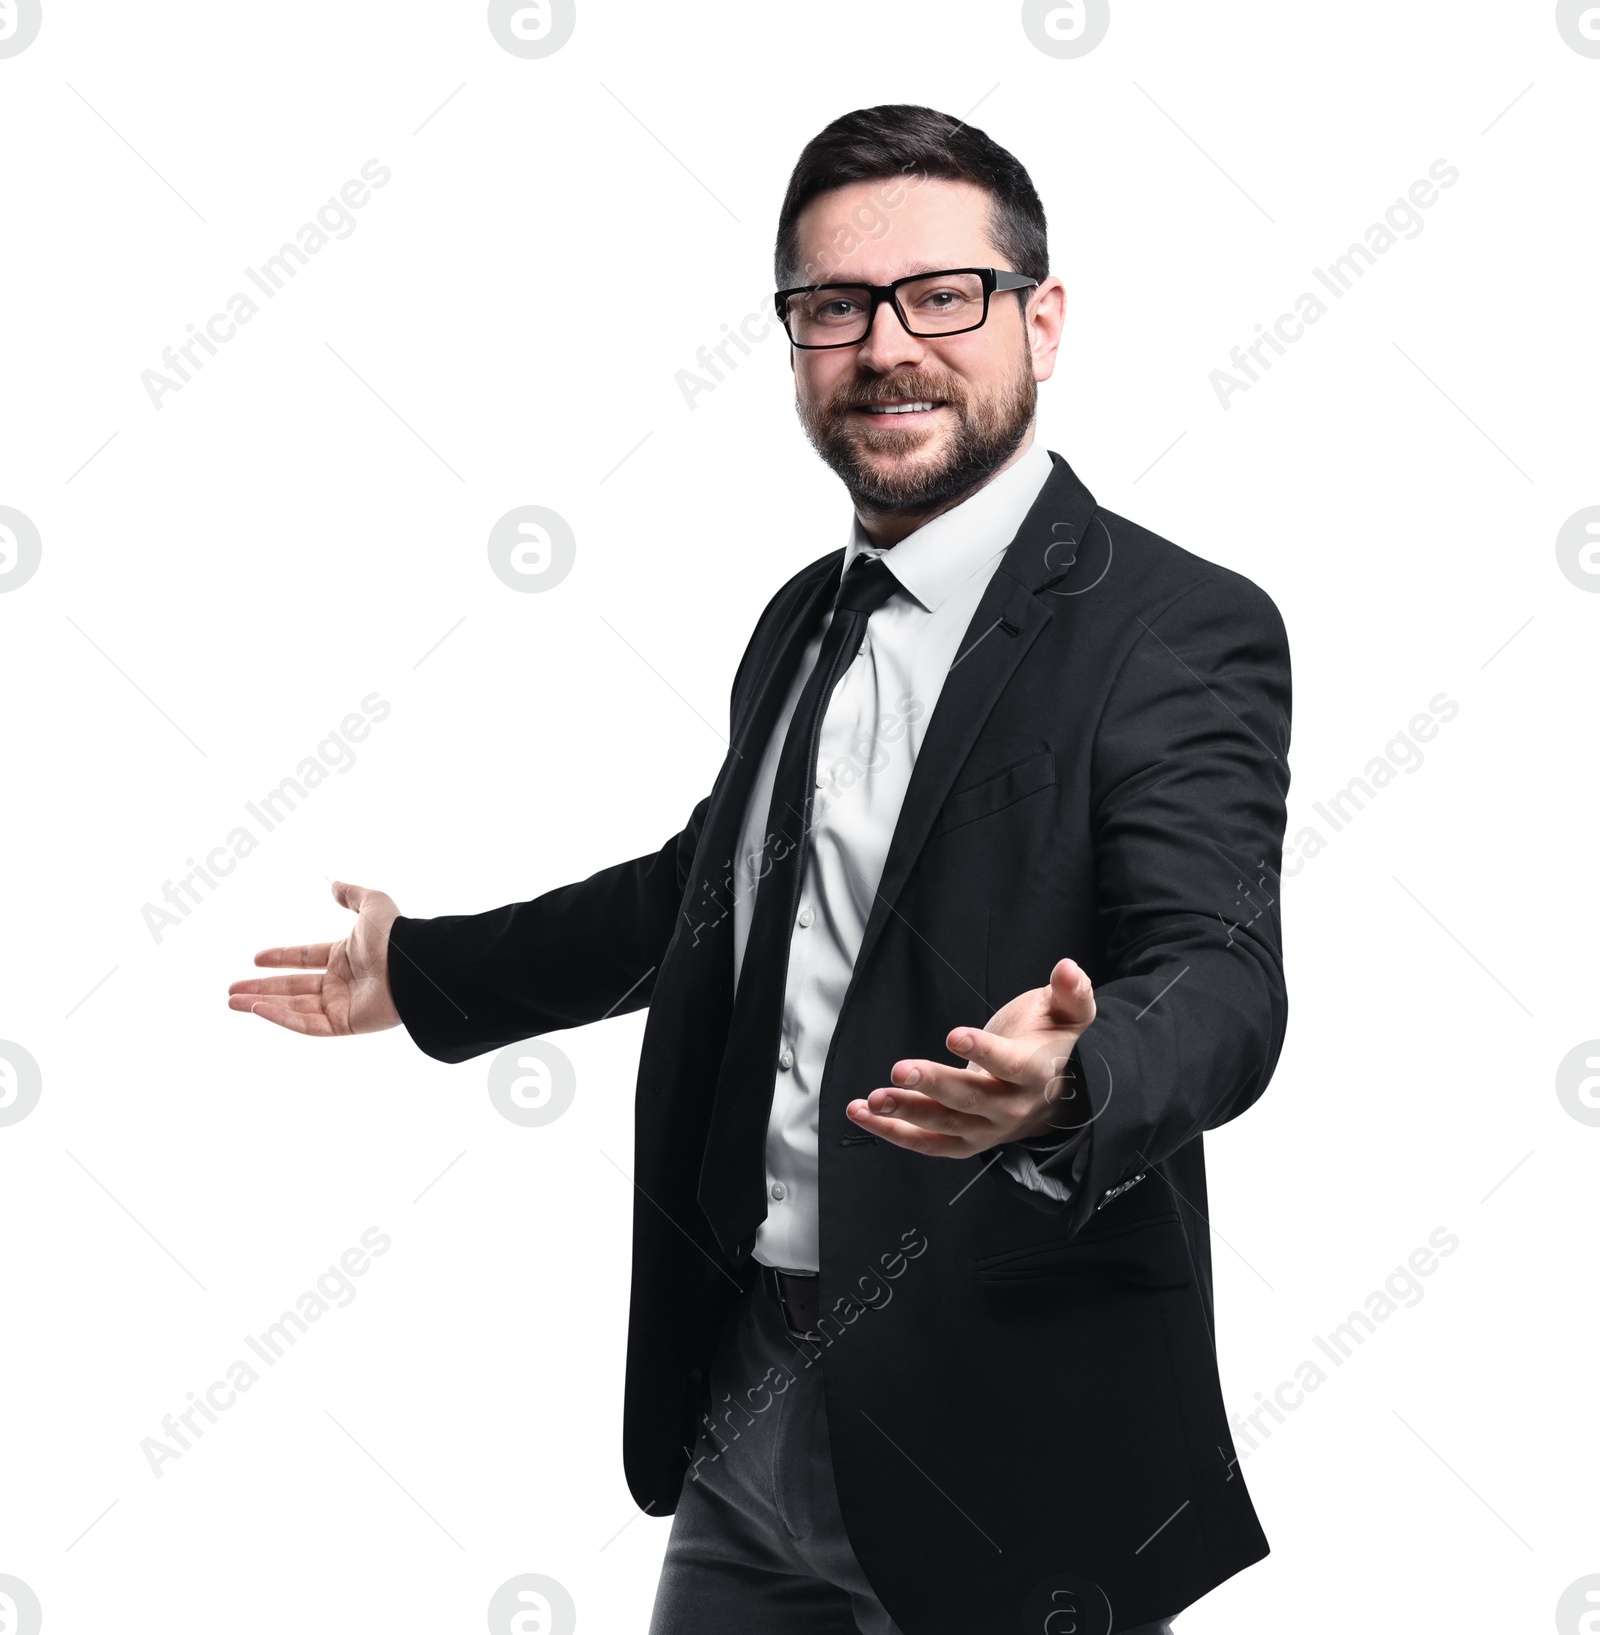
(231, 574)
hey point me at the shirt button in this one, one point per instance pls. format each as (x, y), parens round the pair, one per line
(779, 1191)
(862, 649)
(806, 917)
(786, 1060)
(822, 780)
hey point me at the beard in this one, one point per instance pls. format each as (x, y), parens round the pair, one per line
(987, 434)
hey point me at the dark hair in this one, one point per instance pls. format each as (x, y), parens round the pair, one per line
(902, 141)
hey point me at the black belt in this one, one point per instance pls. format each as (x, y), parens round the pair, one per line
(798, 1294)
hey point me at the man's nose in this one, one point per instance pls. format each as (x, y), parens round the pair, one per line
(887, 344)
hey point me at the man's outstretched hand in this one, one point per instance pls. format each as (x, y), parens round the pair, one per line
(1013, 1085)
(339, 987)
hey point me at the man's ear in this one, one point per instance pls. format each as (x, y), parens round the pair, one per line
(1046, 320)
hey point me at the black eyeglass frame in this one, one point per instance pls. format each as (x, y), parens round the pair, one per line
(994, 279)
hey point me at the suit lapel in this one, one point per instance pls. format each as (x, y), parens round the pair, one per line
(1007, 623)
(811, 595)
(710, 901)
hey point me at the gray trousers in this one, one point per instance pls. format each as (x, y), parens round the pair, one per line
(757, 1542)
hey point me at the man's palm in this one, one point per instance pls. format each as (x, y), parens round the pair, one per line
(1015, 1083)
(339, 987)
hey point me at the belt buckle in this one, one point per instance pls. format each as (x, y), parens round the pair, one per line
(773, 1281)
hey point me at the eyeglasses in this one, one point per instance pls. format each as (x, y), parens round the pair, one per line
(928, 305)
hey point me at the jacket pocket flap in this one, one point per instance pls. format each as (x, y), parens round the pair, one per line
(1146, 1254)
(1004, 789)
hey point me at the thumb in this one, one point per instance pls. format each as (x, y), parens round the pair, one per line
(1072, 993)
(351, 897)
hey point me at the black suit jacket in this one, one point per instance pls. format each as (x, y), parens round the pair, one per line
(1021, 1394)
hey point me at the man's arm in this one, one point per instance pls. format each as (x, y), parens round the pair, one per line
(1191, 778)
(468, 983)
(1184, 1027)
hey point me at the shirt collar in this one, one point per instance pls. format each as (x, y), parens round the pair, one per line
(942, 554)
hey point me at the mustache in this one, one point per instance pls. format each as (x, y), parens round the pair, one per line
(866, 394)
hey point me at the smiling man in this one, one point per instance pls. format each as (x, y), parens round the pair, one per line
(972, 941)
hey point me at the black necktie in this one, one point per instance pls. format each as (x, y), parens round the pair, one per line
(733, 1187)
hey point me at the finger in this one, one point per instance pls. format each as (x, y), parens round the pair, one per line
(301, 982)
(309, 1004)
(316, 1025)
(1072, 993)
(912, 1107)
(352, 897)
(311, 955)
(1014, 1060)
(912, 1137)
(961, 1090)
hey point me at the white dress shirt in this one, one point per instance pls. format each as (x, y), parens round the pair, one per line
(871, 731)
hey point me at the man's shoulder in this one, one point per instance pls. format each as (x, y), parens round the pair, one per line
(797, 584)
(1153, 574)
(797, 589)
(782, 606)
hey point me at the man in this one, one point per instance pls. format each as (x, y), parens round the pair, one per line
(921, 1335)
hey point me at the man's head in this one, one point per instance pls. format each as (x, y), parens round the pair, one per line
(881, 194)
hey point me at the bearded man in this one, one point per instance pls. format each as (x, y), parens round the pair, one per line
(973, 939)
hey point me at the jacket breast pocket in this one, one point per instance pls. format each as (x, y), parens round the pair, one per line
(1145, 1254)
(994, 794)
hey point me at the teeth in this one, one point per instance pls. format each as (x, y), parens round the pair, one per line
(901, 408)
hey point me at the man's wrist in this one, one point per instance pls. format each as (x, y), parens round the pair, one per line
(1066, 1113)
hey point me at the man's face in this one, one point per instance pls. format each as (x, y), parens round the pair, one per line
(912, 425)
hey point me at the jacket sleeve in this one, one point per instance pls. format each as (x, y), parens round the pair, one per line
(1189, 781)
(468, 983)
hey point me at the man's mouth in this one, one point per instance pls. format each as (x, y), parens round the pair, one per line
(902, 409)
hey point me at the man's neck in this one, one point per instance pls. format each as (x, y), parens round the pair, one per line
(887, 528)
